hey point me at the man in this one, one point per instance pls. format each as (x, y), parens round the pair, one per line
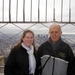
(55, 55)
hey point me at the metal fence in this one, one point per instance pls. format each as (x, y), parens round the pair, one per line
(37, 15)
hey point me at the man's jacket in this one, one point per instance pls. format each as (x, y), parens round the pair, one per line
(61, 61)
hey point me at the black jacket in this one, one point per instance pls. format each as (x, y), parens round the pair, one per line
(61, 62)
(17, 62)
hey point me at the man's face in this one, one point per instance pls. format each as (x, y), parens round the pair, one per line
(55, 33)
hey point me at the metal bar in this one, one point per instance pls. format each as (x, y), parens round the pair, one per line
(17, 11)
(38, 10)
(54, 12)
(9, 10)
(23, 10)
(46, 12)
(61, 9)
(3, 12)
(3, 25)
(38, 22)
(31, 12)
(4, 34)
(69, 10)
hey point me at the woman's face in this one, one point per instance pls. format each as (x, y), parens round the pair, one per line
(28, 39)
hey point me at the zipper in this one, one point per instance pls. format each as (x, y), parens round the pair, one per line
(53, 66)
(54, 60)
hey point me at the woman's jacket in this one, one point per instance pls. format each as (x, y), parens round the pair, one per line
(17, 62)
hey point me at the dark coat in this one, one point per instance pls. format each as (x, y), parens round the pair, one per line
(61, 62)
(17, 62)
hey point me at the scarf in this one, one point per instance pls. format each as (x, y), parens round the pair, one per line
(32, 62)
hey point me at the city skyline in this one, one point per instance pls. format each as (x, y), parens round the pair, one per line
(5, 44)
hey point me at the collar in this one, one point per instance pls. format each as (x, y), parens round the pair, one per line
(50, 41)
(56, 44)
(30, 50)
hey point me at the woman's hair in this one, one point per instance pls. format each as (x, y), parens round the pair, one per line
(23, 35)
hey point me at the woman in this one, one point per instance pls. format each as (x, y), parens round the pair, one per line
(21, 60)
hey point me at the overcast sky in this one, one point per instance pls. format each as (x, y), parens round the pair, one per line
(38, 28)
